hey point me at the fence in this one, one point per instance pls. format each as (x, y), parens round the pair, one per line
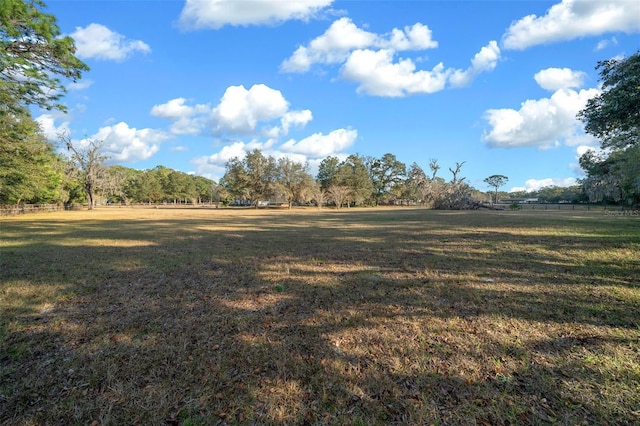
(566, 206)
(37, 208)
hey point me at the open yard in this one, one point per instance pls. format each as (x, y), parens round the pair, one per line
(353, 317)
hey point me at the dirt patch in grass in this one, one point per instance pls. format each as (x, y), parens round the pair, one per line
(381, 316)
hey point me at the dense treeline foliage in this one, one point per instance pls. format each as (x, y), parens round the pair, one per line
(254, 180)
(355, 181)
(550, 194)
(33, 58)
(30, 171)
(614, 118)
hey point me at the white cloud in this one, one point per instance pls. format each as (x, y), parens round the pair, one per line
(572, 19)
(369, 59)
(541, 123)
(320, 145)
(559, 78)
(173, 109)
(295, 118)
(416, 37)
(125, 144)
(343, 37)
(80, 85)
(49, 129)
(187, 120)
(378, 75)
(199, 14)
(537, 184)
(602, 44)
(485, 60)
(332, 47)
(259, 111)
(99, 42)
(240, 110)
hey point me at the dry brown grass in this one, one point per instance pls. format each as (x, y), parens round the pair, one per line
(386, 316)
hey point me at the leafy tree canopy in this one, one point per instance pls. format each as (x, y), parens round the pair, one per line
(30, 171)
(33, 56)
(614, 116)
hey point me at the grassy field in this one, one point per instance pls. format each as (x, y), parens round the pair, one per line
(352, 317)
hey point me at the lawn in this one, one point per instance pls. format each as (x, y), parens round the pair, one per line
(353, 317)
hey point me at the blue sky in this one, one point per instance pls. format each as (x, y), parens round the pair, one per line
(191, 84)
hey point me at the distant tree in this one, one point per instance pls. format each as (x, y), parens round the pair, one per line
(33, 55)
(253, 177)
(117, 183)
(456, 171)
(147, 187)
(496, 181)
(353, 174)
(89, 165)
(292, 179)
(179, 186)
(386, 173)
(415, 183)
(339, 194)
(317, 194)
(205, 188)
(327, 171)
(452, 195)
(234, 181)
(434, 167)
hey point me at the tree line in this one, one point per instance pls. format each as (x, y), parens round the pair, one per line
(355, 181)
(36, 62)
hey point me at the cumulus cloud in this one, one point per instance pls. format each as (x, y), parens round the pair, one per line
(370, 59)
(572, 19)
(200, 14)
(240, 110)
(320, 145)
(259, 111)
(545, 122)
(295, 118)
(378, 75)
(99, 42)
(126, 144)
(485, 60)
(48, 126)
(541, 123)
(343, 37)
(559, 78)
(186, 120)
(537, 184)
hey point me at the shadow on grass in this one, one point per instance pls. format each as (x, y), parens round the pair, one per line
(362, 317)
